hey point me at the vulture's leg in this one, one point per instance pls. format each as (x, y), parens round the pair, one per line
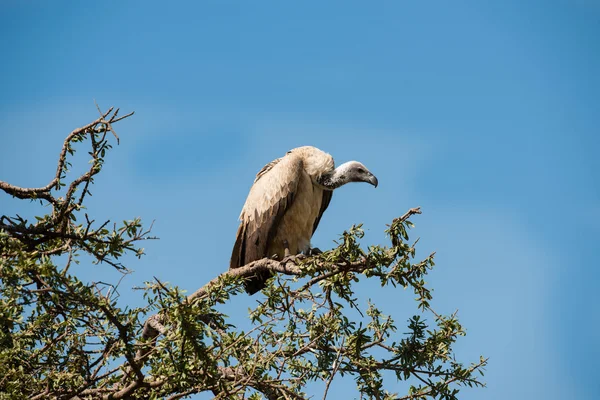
(288, 254)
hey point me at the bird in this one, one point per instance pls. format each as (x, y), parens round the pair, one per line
(285, 205)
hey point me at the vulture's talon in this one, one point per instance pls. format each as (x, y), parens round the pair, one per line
(314, 251)
(294, 258)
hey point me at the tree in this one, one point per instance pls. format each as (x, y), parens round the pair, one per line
(63, 338)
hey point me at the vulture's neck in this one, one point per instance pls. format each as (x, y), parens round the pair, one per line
(339, 177)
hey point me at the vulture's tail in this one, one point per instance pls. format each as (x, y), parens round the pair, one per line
(257, 282)
(239, 258)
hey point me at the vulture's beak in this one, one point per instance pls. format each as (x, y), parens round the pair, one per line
(373, 180)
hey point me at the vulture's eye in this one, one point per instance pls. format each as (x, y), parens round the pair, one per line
(361, 171)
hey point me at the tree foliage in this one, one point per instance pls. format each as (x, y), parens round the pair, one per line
(64, 338)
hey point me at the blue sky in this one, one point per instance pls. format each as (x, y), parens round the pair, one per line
(485, 114)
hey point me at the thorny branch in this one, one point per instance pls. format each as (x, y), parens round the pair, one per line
(60, 224)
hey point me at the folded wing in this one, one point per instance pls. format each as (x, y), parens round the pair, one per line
(270, 197)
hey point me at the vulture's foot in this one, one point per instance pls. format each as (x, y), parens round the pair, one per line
(294, 258)
(288, 256)
(313, 251)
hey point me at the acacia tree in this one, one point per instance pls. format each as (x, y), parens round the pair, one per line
(64, 338)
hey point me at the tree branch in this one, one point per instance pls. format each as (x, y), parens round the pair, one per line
(43, 192)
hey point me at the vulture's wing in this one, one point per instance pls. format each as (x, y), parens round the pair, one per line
(324, 204)
(266, 169)
(270, 197)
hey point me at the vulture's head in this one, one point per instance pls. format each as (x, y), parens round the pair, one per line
(357, 172)
(351, 171)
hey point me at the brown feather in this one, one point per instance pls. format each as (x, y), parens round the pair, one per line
(266, 169)
(238, 248)
(327, 194)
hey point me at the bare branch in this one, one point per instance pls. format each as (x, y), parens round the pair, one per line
(43, 192)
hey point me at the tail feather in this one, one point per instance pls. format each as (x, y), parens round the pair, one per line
(257, 282)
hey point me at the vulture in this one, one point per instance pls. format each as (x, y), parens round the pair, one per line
(286, 203)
